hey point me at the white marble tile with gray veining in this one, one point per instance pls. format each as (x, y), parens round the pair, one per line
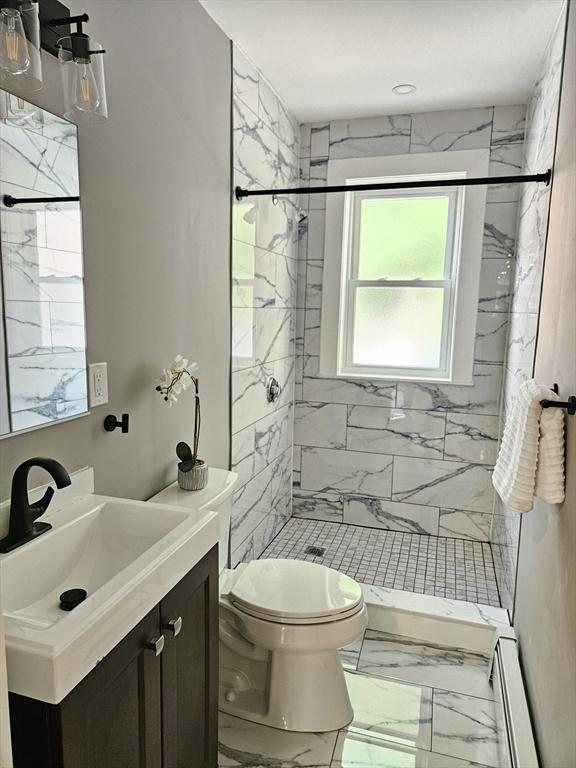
(482, 397)
(466, 727)
(443, 483)
(273, 435)
(522, 341)
(396, 711)
(249, 396)
(29, 328)
(506, 150)
(312, 331)
(458, 524)
(496, 285)
(253, 276)
(391, 515)
(36, 162)
(245, 79)
(359, 750)
(471, 438)
(255, 147)
(396, 431)
(285, 281)
(369, 137)
(242, 461)
(413, 661)
(50, 385)
(242, 744)
(314, 271)
(305, 136)
(251, 505)
(319, 139)
(499, 231)
(41, 274)
(320, 424)
(491, 335)
(316, 226)
(451, 130)
(261, 335)
(68, 327)
(317, 175)
(352, 391)
(326, 469)
(317, 505)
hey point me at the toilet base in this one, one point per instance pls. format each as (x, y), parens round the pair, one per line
(305, 692)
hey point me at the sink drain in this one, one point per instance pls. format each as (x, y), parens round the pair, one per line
(71, 598)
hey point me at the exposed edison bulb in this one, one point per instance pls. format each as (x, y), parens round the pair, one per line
(85, 95)
(14, 57)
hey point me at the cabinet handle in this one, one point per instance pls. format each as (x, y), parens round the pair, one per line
(156, 645)
(174, 626)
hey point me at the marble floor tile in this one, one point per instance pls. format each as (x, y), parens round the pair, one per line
(397, 711)
(242, 743)
(350, 654)
(412, 661)
(465, 727)
(357, 750)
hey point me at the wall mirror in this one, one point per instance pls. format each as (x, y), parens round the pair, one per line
(42, 335)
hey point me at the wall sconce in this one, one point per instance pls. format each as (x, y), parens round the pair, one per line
(28, 25)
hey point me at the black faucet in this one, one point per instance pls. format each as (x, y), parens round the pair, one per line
(22, 527)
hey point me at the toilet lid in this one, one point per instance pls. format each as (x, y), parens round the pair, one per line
(294, 589)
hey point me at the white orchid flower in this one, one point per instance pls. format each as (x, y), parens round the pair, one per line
(176, 379)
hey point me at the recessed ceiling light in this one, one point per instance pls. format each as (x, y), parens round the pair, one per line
(403, 89)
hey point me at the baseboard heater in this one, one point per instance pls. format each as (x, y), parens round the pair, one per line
(517, 723)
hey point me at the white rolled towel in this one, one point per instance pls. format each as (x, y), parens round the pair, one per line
(531, 457)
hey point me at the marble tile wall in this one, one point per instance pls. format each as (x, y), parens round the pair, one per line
(402, 455)
(538, 155)
(264, 270)
(42, 270)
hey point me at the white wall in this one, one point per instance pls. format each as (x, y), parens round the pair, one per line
(545, 615)
(155, 187)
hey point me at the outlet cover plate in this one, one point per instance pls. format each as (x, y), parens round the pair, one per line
(98, 379)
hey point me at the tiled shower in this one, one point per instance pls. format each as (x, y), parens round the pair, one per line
(403, 459)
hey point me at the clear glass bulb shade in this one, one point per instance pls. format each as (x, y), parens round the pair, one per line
(83, 83)
(84, 95)
(20, 62)
(14, 56)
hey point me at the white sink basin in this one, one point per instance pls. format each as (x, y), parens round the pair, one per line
(126, 554)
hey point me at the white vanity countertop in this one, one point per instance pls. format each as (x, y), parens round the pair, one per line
(127, 554)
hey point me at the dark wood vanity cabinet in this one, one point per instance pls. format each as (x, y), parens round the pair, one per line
(137, 709)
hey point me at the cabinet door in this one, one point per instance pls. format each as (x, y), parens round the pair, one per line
(190, 669)
(113, 717)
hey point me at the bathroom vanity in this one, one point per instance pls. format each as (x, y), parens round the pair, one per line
(151, 702)
(128, 677)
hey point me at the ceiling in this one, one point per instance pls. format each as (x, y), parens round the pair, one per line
(330, 59)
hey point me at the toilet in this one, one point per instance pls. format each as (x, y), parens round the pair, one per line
(281, 625)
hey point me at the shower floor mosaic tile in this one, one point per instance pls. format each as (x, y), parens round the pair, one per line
(409, 711)
(433, 565)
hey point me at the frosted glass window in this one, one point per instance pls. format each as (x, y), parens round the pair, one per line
(401, 326)
(403, 238)
(400, 264)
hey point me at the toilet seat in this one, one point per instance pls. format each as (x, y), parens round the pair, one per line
(292, 592)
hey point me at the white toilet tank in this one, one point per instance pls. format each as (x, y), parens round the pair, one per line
(216, 497)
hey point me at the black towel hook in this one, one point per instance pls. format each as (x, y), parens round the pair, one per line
(569, 404)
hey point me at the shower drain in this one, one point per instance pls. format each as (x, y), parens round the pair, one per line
(318, 551)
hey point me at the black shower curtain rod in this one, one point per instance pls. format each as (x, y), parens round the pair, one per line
(521, 179)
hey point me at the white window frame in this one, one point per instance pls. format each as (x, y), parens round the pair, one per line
(466, 230)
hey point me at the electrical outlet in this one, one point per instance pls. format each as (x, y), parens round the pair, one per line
(98, 376)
